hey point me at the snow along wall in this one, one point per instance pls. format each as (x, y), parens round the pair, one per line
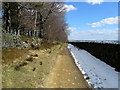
(107, 52)
(97, 73)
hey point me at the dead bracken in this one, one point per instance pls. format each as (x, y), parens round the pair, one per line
(23, 64)
(34, 69)
(29, 59)
(17, 68)
(20, 65)
(35, 55)
(41, 63)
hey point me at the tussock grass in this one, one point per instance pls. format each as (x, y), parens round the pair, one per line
(26, 38)
(26, 74)
(19, 73)
(9, 55)
(43, 46)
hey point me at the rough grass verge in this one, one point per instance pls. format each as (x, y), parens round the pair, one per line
(9, 55)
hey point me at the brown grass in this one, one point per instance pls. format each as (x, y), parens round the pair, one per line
(11, 54)
(42, 47)
(26, 38)
(31, 75)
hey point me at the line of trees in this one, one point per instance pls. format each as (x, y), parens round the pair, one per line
(42, 19)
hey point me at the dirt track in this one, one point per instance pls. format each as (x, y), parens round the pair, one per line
(57, 70)
(65, 74)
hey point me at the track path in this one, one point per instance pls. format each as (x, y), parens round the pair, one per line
(65, 74)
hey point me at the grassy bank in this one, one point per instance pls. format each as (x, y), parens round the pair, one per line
(28, 68)
(9, 55)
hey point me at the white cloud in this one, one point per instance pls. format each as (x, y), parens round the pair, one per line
(95, 1)
(69, 8)
(102, 34)
(111, 20)
(71, 28)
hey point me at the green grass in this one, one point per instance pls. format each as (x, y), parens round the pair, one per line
(26, 77)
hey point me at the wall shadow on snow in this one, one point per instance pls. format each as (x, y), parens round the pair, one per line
(106, 52)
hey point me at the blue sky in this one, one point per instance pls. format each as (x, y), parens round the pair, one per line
(87, 21)
(92, 20)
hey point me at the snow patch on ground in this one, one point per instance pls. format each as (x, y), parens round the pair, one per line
(97, 73)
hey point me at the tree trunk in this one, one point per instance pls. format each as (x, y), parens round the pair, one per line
(35, 21)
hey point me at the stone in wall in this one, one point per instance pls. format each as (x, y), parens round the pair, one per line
(10, 41)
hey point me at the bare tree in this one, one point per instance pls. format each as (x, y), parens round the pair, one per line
(45, 19)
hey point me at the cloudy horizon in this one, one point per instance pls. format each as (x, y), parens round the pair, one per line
(92, 20)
